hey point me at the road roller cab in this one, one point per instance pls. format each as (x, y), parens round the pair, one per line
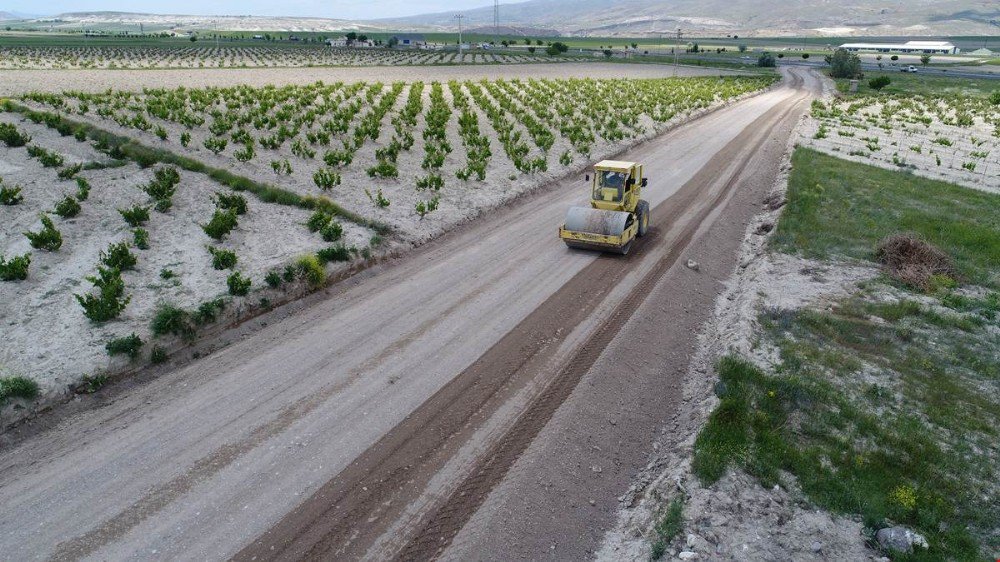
(617, 214)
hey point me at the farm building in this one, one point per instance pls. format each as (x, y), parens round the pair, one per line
(413, 40)
(908, 48)
(984, 52)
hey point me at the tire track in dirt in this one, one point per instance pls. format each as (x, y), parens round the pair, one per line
(353, 509)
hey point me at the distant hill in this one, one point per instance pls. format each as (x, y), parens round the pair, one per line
(510, 31)
(746, 17)
(101, 20)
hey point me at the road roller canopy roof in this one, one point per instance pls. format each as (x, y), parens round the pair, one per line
(614, 165)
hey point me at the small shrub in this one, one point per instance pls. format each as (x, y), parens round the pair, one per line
(48, 238)
(326, 179)
(291, 271)
(311, 269)
(82, 189)
(332, 232)
(12, 137)
(160, 132)
(430, 181)
(48, 159)
(766, 60)
(378, 199)
(15, 269)
(68, 207)
(158, 355)
(17, 387)
(167, 274)
(70, 172)
(135, 216)
(209, 311)
(334, 254)
(10, 195)
(238, 284)
(231, 202)
(879, 82)
(281, 167)
(384, 169)
(222, 223)
(273, 279)
(172, 320)
(92, 383)
(185, 139)
(215, 144)
(110, 301)
(140, 237)
(118, 256)
(317, 221)
(222, 259)
(130, 345)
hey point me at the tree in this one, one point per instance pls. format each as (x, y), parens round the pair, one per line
(925, 60)
(607, 53)
(393, 41)
(192, 39)
(527, 41)
(805, 55)
(557, 48)
(531, 50)
(742, 48)
(694, 48)
(635, 46)
(879, 82)
(894, 58)
(351, 37)
(766, 60)
(781, 55)
(845, 64)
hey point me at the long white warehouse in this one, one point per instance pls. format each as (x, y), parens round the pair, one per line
(908, 48)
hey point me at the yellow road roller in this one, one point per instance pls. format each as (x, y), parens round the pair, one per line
(616, 215)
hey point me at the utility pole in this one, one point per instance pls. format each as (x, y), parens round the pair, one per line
(496, 22)
(676, 47)
(459, 17)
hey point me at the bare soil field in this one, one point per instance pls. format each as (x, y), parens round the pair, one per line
(19, 82)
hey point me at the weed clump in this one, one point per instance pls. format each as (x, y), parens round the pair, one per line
(222, 259)
(17, 387)
(172, 320)
(129, 345)
(10, 195)
(914, 262)
(311, 269)
(231, 202)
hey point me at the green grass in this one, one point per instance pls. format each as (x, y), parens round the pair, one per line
(888, 408)
(905, 83)
(841, 208)
(17, 387)
(670, 524)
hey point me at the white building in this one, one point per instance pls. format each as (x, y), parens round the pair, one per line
(908, 48)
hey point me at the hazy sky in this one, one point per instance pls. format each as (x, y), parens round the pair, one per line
(351, 9)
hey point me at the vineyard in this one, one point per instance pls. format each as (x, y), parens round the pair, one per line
(132, 57)
(956, 138)
(241, 197)
(404, 153)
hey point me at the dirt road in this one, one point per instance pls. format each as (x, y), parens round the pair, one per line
(457, 402)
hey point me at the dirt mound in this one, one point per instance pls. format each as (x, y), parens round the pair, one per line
(913, 261)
